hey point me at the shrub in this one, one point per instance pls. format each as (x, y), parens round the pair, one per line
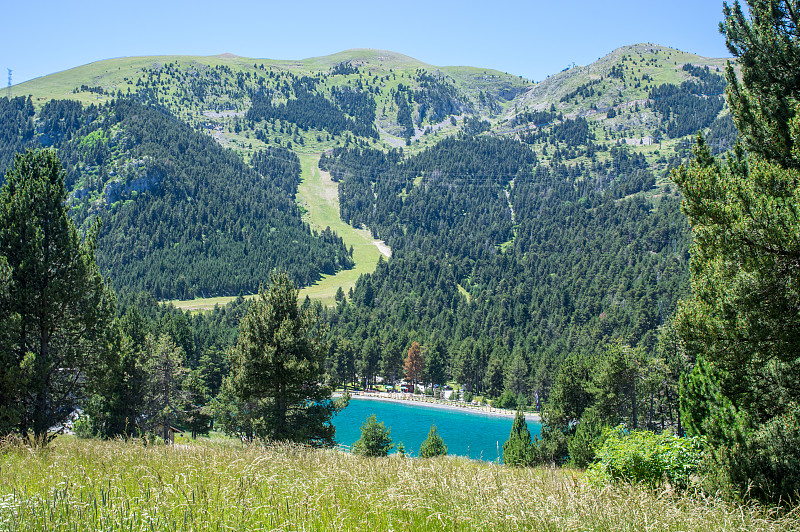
(587, 439)
(518, 448)
(84, 427)
(506, 400)
(433, 445)
(648, 458)
(374, 440)
(467, 397)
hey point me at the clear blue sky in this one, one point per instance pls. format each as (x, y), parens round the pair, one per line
(530, 38)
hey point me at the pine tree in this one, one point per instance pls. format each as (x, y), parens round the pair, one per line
(165, 396)
(516, 378)
(764, 99)
(436, 362)
(433, 445)
(375, 439)
(274, 390)
(741, 326)
(518, 448)
(58, 312)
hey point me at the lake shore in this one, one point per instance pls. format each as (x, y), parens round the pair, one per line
(423, 401)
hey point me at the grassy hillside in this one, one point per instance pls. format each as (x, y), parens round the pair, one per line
(110, 486)
(380, 99)
(317, 196)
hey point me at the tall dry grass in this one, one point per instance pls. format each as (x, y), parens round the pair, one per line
(92, 485)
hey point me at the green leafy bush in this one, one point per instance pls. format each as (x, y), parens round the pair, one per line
(84, 427)
(648, 458)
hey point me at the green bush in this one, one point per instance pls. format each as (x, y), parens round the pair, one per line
(587, 439)
(375, 440)
(84, 427)
(433, 445)
(647, 458)
(467, 397)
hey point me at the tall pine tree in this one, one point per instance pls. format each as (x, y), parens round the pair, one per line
(743, 321)
(275, 390)
(58, 312)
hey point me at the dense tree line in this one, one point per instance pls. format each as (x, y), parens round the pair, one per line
(182, 217)
(358, 104)
(280, 165)
(572, 132)
(691, 106)
(437, 99)
(309, 109)
(500, 282)
(401, 99)
(536, 118)
(18, 131)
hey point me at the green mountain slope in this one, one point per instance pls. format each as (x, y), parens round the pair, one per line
(182, 216)
(528, 221)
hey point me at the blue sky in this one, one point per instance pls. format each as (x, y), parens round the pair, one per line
(528, 38)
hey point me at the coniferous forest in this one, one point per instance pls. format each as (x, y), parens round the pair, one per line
(616, 253)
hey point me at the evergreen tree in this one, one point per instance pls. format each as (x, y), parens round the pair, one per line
(274, 390)
(615, 384)
(433, 445)
(374, 440)
(764, 99)
(414, 363)
(344, 361)
(587, 439)
(518, 448)
(58, 312)
(742, 323)
(368, 361)
(198, 395)
(493, 382)
(165, 397)
(435, 363)
(516, 378)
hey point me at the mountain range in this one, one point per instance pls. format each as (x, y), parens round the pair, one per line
(527, 221)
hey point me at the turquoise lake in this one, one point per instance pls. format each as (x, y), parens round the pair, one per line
(472, 434)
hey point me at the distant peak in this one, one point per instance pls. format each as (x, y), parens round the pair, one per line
(228, 55)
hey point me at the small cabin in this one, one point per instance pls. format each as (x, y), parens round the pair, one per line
(170, 433)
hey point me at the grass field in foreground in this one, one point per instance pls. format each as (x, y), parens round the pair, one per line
(319, 196)
(94, 485)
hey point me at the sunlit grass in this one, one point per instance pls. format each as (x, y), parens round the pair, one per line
(319, 196)
(94, 485)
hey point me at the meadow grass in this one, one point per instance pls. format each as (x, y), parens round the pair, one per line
(114, 485)
(319, 197)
